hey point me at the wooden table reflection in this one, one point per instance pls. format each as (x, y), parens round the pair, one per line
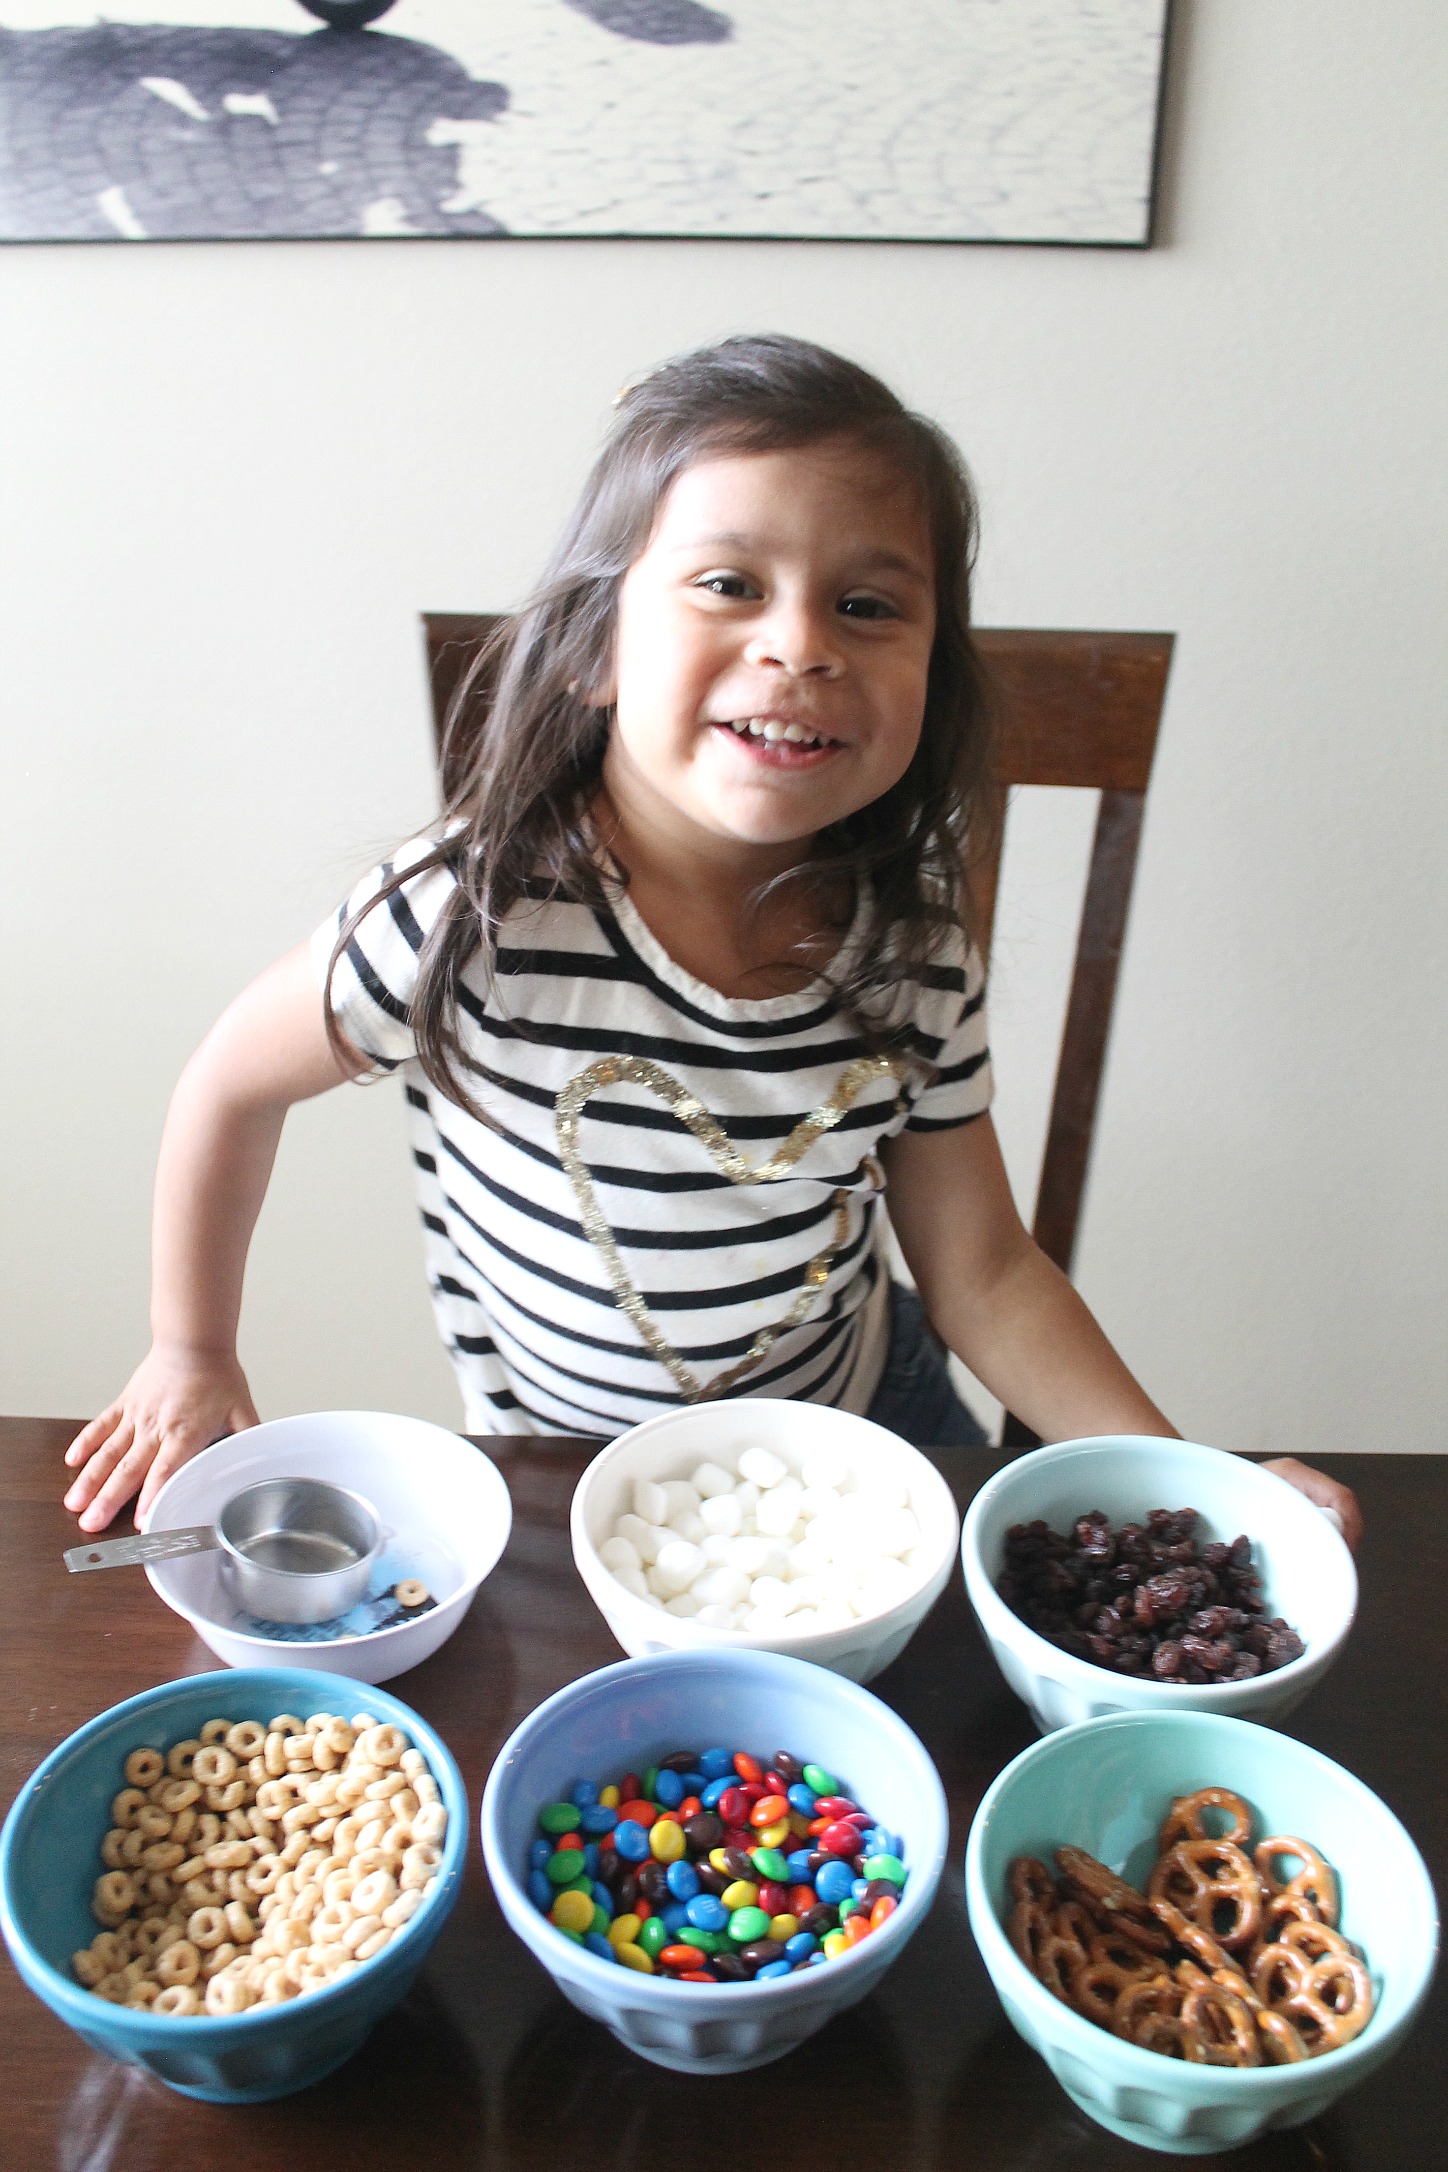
(486, 2065)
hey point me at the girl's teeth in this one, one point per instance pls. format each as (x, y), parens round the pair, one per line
(772, 731)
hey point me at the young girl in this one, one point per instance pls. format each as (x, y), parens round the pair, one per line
(681, 985)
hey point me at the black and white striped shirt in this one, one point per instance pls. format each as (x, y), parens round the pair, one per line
(675, 1196)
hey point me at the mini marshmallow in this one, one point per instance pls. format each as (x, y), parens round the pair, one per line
(650, 1501)
(711, 1479)
(721, 1587)
(771, 1595)
(685, 1606)
(746, 1493)
(645, 1538)
(715, 1617)
(896, 1532)
(678, 1564)
(715, 1548)
(619, 1553)
(721, 1512)
(681, 1497)
(632, 1581)
(689, 1525)
(778, 1510)
(761, 1468)
(749, 1554)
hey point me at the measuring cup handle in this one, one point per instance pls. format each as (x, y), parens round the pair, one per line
(125, 1553)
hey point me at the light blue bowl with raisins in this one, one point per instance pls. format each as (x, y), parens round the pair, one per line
(50, 1859)
(1308, 1579)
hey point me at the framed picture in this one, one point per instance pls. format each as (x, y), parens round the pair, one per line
(862, 120)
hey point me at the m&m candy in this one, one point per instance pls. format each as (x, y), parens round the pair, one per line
(715, 1866)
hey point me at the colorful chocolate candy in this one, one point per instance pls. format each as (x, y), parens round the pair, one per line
(715, 1867)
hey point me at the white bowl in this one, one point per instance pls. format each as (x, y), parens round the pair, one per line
(443, 1504)
(1307, 1572)
(625, 1715)
(675, 1444)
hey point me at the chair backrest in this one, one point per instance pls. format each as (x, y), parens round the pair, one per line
(1077, 709)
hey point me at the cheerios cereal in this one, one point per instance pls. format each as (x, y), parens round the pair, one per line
(251, 1864)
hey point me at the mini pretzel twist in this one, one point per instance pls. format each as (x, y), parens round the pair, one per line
(1184, 1819)
(1218, 2028)
(1208, 1879)
(1315, 1881)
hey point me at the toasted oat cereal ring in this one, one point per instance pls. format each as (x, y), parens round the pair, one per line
(403, 1909)
(245, 1738)
(263, 1876)
(222, 1796)
(87, 1968)
(370, 1895)
(143, 1996)
(410, 1592)
(144, 1767)
(206, 1927)
(218, 1958)
(358, 1932)
(176, 1998)
(285, 1723)
(112, 1896)
(372, 1945)
(179, 1756)
(214, 1730)
(213, 1765)
(227, 1994)
(383, 1745)
(430, 1822)
(180, 1963)
(163, 1855)
(111, 1847)
(126, 1805)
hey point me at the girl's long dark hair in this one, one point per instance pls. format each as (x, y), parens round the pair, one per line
(517, 817)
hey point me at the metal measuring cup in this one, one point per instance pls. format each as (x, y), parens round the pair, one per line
(292, 1549)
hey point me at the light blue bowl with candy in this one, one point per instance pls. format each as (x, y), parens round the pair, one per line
(49, 1861)
(1105, 1786)
(627, 1717)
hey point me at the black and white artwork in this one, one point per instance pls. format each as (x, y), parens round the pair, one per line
(880, 120)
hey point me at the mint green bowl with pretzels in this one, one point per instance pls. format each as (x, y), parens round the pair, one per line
(1105, 1786)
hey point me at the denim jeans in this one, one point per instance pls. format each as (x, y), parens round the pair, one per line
(916, 1397)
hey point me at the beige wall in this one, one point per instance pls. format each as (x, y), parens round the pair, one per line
(232, 476)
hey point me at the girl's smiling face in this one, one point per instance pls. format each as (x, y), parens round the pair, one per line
(772, 648)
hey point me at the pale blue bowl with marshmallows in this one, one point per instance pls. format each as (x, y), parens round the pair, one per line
(1105, 1786)
(626, 1717)
(49, 1861)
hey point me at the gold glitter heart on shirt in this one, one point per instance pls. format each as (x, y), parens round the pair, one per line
(691, 1112)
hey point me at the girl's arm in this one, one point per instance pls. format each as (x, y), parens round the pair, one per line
(1011, 1316)
(269, 1049)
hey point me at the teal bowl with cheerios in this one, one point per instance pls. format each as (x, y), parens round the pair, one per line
(286, 2034)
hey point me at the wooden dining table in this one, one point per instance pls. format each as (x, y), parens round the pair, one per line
(484, 2064)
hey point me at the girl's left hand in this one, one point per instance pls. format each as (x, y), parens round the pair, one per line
(1340, 1501)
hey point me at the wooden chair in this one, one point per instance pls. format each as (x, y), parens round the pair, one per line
(1077, 709)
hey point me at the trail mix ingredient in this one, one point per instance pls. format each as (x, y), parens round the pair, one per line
(715, 1867)
(1231, 1957)
(258, 1863)
(1147, 1600)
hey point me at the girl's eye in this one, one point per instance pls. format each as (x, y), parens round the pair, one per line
(866, 607)
(731, 585)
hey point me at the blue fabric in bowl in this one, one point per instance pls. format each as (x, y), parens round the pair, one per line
(50, 1859)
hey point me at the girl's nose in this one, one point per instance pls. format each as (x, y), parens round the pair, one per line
(798, 639)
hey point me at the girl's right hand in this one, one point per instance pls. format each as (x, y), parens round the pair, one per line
(175, 1404)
